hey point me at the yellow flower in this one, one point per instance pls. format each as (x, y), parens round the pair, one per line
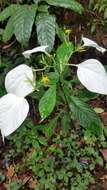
(45, 79)
(67, 31)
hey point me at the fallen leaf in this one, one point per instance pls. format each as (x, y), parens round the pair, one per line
(104, 117)
(10, 171)
(104, 153)
(25, 179)
(98, 110)
(3, 186)
(104, 178)
(32, 183)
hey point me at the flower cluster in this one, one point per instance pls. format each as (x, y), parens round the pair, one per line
(19, 82)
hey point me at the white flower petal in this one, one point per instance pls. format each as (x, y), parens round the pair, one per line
(13, 111)
(19, 81)
(93, 76)
(91, 43)
(34, 50)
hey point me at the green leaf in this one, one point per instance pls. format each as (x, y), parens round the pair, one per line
(50, 127)
(93, 27)
(53, 77)
(9, 30)
(42, 140)
(63, 54)
(105, 13)
(47, 102)
(61, 34)
(45, 25)
(70, 4)
(66, 123)
(91, 4)
(23, 22)
(43, 8)
(15, 185)
(86, 95)
(85, 114)
(8, 11)
(36, 1)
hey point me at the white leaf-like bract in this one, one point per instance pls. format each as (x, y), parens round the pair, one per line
(93, 76)
(13, 111)
(34, 50)
(91, 43)
(20, 81)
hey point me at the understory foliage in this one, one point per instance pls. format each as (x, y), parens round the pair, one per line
(59, 137)
(57, 158)
(21, 19)
(98, 8)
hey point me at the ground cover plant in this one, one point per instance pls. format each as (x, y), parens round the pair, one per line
(52, 88)
(100, 8)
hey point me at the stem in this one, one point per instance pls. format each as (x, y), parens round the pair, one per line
(49, 55)
(72, 65)
(63, 90)
(65, 94)
(40, 69)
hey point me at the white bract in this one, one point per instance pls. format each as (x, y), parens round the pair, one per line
(93, 76)
(34, 50)
(13, 106)
(18, 81)
(91, 43)
(13, 111)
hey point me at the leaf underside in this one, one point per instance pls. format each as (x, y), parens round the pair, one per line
(45, 25)
(70, 4)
